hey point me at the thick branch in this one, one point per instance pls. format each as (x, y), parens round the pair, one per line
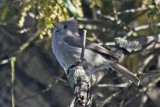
(124, 47)
(79, 80)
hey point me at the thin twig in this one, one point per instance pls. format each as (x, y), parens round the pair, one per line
(110, 44)
(13, 80)
(145, 27)
(131, 99)
(136, 10)
(21, 48)
(152, 75)
(140, 28)
(5, 61)
(28, 97)
(150, 25)
(9, 35)
(59, 79)
(44, 90)
(133, 30)
(124, 95)
(111, 18)
(84, 45)
(108, 99)
(98, 40)
(145, 64)
(151, 29)
(144, 89)
(113, 85)
(115, 12)
(125, 26)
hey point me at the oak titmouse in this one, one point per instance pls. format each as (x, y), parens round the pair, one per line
(67, 46)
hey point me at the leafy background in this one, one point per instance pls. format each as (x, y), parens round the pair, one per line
(25, 48)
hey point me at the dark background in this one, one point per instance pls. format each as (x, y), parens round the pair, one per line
(36, 68)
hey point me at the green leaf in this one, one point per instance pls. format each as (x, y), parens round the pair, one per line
(49, 25)
(70, 7)
(4, 14)
(8, 14)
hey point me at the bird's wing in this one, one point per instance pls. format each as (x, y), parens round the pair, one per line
(78, 41)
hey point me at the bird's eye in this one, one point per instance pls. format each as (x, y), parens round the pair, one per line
(65, 26)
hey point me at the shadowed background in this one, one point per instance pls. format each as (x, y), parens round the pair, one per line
(36, 68)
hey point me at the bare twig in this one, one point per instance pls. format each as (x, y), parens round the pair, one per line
(13, 80)
(9, 35)
(113, 85)
(125, 26)
(27, 43)
(155, 43)
(145, 64)
(144, 89)
(150, 25)
(136, 10)
(115, 12)
(59, 79)
(98, 40)
(150, 74)
(28, 97)
(145, 26)
(109, 44)
(124, 95)
(108, 99)
(151, 29)
(5, 61)
(131, 99)
(44, 90)
(150, 85)
(118, 21)
(84, 45)
(21, 48)
(140, 28)
(130, 11)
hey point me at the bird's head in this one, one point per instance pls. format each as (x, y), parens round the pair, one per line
(66, 28)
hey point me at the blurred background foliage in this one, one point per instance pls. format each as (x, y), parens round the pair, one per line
(44, 12)
(35, 67)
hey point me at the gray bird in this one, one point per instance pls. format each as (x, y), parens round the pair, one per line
(67, 46)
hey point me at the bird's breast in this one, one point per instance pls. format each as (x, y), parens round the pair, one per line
(65, 54)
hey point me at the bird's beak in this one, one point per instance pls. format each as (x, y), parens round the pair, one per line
(55, 25)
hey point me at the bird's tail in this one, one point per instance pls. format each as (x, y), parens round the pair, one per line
(126, 73)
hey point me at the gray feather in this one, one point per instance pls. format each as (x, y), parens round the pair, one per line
(77, 41)
(126, 73)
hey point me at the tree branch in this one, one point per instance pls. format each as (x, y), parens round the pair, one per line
(79, 80)
(84, 45)
(125, 48)
(113, 85)
(21, 48)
